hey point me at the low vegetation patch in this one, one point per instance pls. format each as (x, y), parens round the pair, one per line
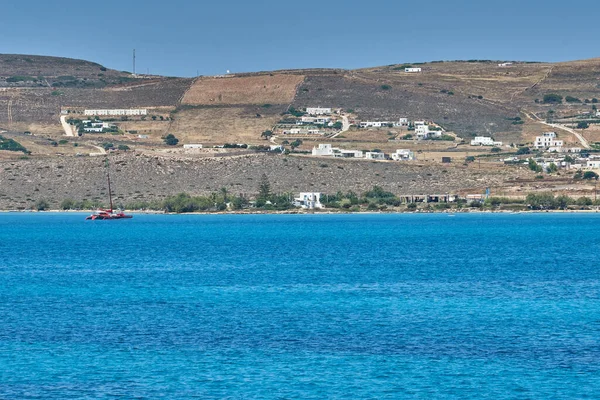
(11, 145)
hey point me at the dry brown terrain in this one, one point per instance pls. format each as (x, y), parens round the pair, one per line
(219, 125)
(137, 177)
(259, 90)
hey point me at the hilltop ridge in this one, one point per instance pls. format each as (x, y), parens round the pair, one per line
(473, 97)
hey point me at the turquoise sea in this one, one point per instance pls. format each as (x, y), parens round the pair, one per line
(493, 306)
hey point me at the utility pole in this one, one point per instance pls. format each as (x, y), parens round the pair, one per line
(133, 62)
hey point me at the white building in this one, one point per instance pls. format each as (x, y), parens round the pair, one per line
(484, 141)
(96, 126)
(374, 155)
(322, 150)
(548, 140)
(341, 153)
(318, 111)
(422, 131)
(403, 155)
(373, 124)
(116, 112)
(403, 121)
(412, 69)
(298, 131)
(192, 146)
(315, 120)
(593, 164)
(308, 201)
(506, 64)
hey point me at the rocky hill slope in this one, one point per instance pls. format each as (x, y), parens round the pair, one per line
(467, 97)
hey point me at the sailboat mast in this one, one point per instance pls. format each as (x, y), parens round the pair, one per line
(109, 191)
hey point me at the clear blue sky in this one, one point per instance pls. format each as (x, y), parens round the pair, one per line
(180, 37)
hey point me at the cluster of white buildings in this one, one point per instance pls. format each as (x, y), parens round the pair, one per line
(116, 112)
(424, 131)
(485, 141)
(591, 163)
(549, 142)
(327, 150)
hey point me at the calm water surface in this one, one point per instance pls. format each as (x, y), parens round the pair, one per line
(333, 306)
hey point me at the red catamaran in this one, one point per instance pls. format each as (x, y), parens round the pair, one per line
(108, 213)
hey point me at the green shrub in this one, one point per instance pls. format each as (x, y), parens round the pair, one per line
(11, 145)
(552, 98)
(590, 175)
(171, 140)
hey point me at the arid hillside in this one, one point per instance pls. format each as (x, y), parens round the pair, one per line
(143, 177)
(466, 97)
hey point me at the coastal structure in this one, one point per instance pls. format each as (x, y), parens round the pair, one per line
(309, 200)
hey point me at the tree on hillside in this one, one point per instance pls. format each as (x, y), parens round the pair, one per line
(583, 125)
(264, 188)
(171, 140)
(590, 175)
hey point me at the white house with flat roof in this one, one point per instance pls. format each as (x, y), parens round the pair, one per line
(308, 200)
(192, 146)
(403, 155)
(315, 120)
(323, 150)
(374, 124)
(341, 153)
(593, 164)
(413, 69)
(374, 155)
(484, 141)
(318, 111)
(403, 121)
(548, 140)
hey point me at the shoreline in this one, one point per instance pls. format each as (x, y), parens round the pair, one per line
(302, 212)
